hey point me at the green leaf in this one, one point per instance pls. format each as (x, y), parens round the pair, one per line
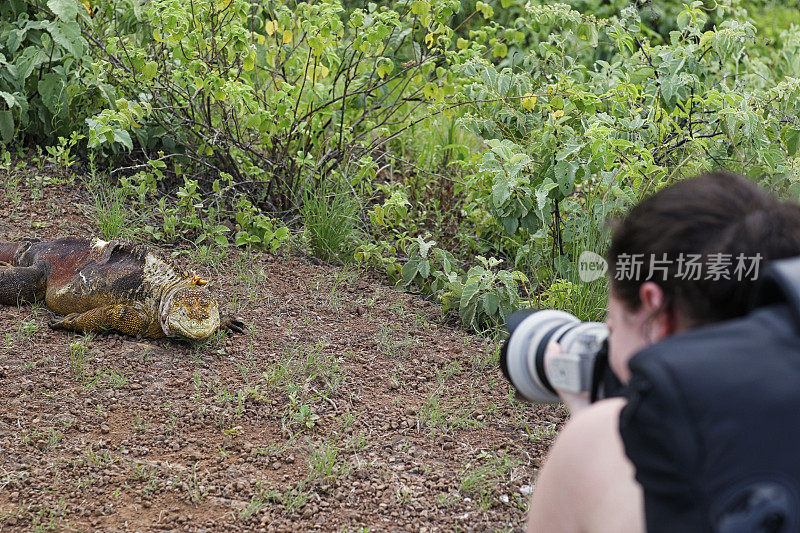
(491, 302)
(469, 293)
(641, 74)
(409, 271)
(501, 192)
(792, 139)
(124, 138)
(424, 269)
(424, 247)
(565, 176)
(385, 67)
(571, 148)
(68, 35)
(66, 10)
(517, 163)
(51, 88)
(623, 194)
(11, 101)
(510, 224)
(485, 9)
(542, 191)
(150, 70)
(420, 7)
(282, 233)
(6, 126)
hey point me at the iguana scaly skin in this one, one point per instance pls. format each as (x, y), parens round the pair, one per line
(102, 285)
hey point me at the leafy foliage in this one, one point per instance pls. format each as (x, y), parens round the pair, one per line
(570, 133)
(277, 96)
(506, 132)
(46, 83)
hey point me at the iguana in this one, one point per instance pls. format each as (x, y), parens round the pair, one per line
(101, 285)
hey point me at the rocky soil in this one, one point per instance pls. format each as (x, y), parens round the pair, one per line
(347, 405)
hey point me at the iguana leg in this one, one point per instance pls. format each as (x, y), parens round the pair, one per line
(23, 284)
(122, 318)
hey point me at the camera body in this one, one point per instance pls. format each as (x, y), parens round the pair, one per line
(582, 365)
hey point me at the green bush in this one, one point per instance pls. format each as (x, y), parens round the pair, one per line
(47, 86)
(273, 94)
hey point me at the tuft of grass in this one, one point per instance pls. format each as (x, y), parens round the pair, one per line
(306, 370)
(257, 502)
(479, 479)
(43, 439)
(110, 212)
(325, 464)
(77, 360)
(196, 491)
(385, 338)
(331, 220)
(117, 379)
(28, 328)
(48, 518)
(436, 414)
(295, 497)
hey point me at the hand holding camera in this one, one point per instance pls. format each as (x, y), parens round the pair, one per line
(552, 355)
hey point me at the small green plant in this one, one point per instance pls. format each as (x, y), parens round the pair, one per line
(437, 414)
(300, 413)
(303, 370)
(116, 378)
(388, 343)
(256, 504)
(482, 296)
(49, 518)
(61, 154)
(540, 432)
(28, 328)
(98, 458)
(403, 494)
(258, 230)
(139, 424)
(196, 491)
(43, 439)
(295, 497)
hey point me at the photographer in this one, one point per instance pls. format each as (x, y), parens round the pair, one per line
(675, 451)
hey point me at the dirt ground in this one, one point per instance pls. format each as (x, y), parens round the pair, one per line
(347, 405)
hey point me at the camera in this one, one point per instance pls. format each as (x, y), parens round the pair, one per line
(582, 365)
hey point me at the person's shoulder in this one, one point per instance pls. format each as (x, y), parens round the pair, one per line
(588, 473)
(599, 420)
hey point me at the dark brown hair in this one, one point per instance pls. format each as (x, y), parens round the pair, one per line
(714, 213)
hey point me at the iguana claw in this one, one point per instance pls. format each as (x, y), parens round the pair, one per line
(231, 323)
(63, 322)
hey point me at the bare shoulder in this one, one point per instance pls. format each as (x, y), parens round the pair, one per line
(587, 483)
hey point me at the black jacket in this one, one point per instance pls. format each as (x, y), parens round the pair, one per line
(712, 423)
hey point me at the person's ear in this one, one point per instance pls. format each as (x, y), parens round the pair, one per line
(662, 320)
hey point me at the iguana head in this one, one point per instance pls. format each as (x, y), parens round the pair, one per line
(190, 312)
